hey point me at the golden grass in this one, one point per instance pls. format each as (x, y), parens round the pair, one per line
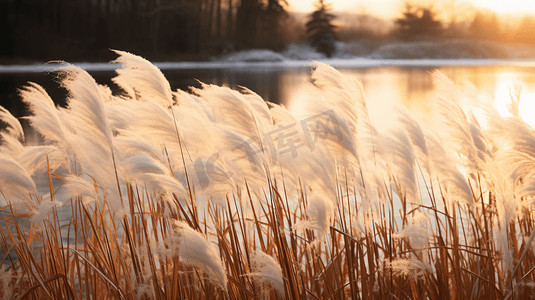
(108, 257)
(368, 251)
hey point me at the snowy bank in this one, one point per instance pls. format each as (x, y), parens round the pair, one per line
(348, 55)
(450, 49)
(455, 49)
(254, 55)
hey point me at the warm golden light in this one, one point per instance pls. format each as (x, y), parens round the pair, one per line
(391, 8)
(510, 6)
(383, 8)
(526, 104)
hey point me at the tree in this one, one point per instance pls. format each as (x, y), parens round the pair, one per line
(246, 21)
(418, 21)
(320, 29)
(456, 13)
(526, 31)
(269, 31)
(486, 26)
(362, 23)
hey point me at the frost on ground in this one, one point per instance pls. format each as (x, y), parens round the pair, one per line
(254, 56)
(451, 49)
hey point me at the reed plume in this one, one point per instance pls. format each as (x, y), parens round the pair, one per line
(212, 193)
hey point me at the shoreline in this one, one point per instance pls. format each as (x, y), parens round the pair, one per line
(455, 49)
(340, 63)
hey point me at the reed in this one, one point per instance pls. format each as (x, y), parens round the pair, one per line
(215, 194)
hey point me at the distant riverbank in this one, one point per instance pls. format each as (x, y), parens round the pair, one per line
(364, 49)
(450, 49)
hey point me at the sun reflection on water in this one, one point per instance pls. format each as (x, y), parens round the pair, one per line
(510, 91)
(387, 87)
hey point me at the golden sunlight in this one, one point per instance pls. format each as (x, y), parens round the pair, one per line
(383, 8)
(390, 8)
(505, 91)
(510, 6)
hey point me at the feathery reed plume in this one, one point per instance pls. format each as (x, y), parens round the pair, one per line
(202, 140)
(9, 282)
(515, 92)
(506, 205)
(130, 144)
(79, 187)
(416, 136)
(517, 143)
(230, 109)
(266, 271)
(260, 109)
(403, 164)
(45, 118)
(333, 92)
(94, 144)
(14, 128)
(320, 210)
(229, 197)
(53, 125)
(195, 250)
(411, 267)
(142, 80)
(16, 185)
(455, 125)
(417, 232)
(33, 159)
(86, 101)
(317, 173)
(10, 139)
(443, 166)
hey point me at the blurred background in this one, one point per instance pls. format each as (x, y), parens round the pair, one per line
(268, 46)
(201, 30)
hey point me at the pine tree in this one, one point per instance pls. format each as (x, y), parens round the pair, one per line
(417, 22)
(321, 30)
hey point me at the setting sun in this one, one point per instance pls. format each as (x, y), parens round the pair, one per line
(390, 8)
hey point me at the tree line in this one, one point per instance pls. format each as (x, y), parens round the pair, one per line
(67, 29)
(41, 28)
(422, 21)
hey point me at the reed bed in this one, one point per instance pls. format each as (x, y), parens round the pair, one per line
(215, 194)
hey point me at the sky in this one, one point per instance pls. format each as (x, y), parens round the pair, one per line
(391, 8)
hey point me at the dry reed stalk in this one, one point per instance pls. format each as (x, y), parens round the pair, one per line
(370, 248)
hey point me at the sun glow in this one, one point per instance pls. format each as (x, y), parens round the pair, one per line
(383, 8)
(504, 94)
(511, 6)
(390, 8)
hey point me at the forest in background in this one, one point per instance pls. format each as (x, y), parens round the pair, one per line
(199, 29)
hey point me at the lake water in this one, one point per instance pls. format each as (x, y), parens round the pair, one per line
(384, 86)
(408, 84)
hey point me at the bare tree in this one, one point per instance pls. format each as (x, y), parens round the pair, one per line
(246, 22)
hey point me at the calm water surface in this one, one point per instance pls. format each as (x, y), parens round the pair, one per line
(384, 86)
